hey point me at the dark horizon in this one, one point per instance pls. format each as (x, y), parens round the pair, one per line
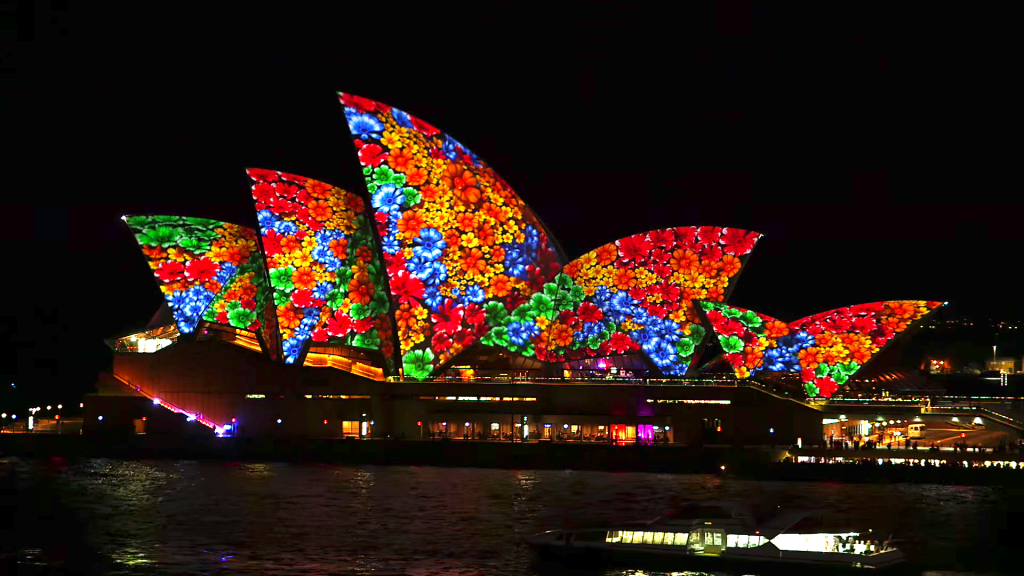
(825, 141)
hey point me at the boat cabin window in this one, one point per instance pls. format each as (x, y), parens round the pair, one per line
(643, 537)
(744, 541)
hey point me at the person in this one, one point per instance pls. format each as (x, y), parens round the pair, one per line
(915, 445)
(856, 444)
(889, 445)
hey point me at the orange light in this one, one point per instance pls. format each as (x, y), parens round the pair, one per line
(57, 417)
(963, 434)
(419, 423)
(143, 418)
(325, 421)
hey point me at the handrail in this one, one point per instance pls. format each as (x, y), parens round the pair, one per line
(168, 405)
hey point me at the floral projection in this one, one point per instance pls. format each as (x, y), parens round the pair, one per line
(636, 294)
(192, 259)
(322, 264)
(246, 302)
(463, 252)
(825, 349)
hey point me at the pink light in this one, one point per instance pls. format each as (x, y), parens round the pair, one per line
(176, 409)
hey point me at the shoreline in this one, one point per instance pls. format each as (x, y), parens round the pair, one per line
(747, 463)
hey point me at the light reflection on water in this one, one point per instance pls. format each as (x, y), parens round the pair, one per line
(166, 517)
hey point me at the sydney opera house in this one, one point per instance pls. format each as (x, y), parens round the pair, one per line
(434, 302)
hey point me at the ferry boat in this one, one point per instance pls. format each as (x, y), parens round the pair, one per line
(720, 534)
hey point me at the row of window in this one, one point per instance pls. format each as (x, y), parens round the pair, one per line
(708, 538)
(479, 398)
(658, 538)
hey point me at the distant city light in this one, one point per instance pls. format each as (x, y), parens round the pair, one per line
(101, 418)
(59, 406)
(4, 415)
(156, 401)
(49, 408)
(771, 430)
(278, 420)
(31, 423)
(565, 426)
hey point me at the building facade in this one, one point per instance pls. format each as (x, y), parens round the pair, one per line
(436, 303)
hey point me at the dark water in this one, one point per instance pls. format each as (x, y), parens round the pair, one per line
(167, 517)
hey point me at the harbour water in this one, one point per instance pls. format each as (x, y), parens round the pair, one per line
(102, 516)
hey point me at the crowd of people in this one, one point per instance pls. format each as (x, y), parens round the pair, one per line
(1003, 447)
(922, 463)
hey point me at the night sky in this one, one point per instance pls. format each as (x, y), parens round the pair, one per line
(866, 156)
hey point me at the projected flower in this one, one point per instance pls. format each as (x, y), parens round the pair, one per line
(192, 259)
(825, 349)
(323, 267)
(246, 302)
(636, 294)
(460, 247)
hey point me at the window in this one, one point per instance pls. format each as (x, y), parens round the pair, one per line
(681, 538)
(718, 538)
(659, 537)
(614, 537)
(350, 427)
(669, 538)
(648, 537)
(627, 537)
